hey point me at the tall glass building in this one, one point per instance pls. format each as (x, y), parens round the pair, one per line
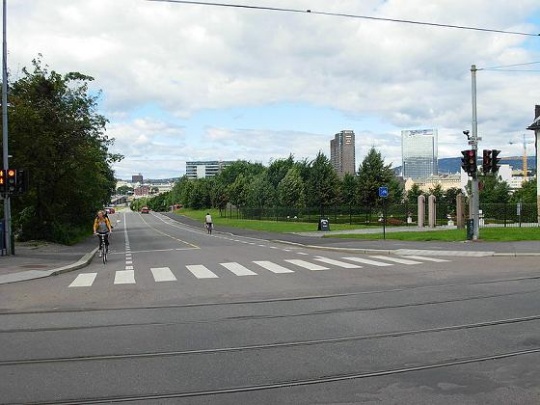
(419, 152)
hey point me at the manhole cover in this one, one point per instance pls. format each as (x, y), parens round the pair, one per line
(34, 266)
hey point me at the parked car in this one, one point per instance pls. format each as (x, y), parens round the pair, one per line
(110, 210)
(145, 210)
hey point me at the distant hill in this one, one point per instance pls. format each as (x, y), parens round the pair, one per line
(453, 165)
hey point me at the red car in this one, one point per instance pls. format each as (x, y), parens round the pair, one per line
(145, 210)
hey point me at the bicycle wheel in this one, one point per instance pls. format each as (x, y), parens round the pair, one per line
(104, 254)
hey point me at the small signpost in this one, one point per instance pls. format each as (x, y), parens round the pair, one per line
(383, 193)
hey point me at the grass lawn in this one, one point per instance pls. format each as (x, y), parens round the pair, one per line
(454, 235)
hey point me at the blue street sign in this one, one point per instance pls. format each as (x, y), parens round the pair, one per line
(383, 192)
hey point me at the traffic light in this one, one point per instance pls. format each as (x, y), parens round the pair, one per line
(486, 161)
(22, 181)
(11, 183)
(468, 161)
(495, 160)
(2, 181)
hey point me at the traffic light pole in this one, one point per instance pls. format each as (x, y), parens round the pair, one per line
(7, 201)
(474, 145)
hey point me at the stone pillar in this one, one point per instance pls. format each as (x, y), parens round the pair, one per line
(460, 211)
(421, 210)
(432, 211)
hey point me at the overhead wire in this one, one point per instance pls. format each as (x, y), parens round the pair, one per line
(345, 15)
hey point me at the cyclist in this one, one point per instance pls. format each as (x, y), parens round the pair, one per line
(208, 222)
(102, 225)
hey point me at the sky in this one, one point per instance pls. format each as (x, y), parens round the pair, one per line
(184, 82)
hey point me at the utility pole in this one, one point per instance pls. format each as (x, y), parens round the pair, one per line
(475, 201)
(7, 201)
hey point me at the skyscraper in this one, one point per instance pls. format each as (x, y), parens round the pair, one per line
(419, 151)
(342, 154)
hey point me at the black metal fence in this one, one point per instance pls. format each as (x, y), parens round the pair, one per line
(511, 215)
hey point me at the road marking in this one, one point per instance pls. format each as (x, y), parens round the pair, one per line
(201, 271)
(396, 260)
(84, 280)
(129, 268)
(273, 267)
(367, 261)
(238, 269)
(162, 274)
(124, 277)
(337, 263)
(429, 259)
(307, 265)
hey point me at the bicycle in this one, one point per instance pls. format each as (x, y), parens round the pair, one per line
(103, 249)
(209, 227)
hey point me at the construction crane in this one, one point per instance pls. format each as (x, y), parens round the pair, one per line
(524, 164)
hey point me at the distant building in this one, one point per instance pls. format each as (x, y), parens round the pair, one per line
(137, 178)
(342, 153)
(419, 149)
(203, 169)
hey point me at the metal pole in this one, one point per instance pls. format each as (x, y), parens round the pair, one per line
(474, 144)
(7, 202)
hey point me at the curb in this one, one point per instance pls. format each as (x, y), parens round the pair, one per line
(35, 274)
(82, 262)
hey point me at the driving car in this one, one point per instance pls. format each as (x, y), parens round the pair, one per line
(145, 210)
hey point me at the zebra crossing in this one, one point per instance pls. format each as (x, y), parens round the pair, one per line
(255, 268)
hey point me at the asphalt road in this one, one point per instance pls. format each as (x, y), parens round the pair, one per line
(177, 316)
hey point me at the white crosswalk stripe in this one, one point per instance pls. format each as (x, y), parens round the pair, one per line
(162, 274)
(338, 263)
(124, 277)
(165, 274)
(368, 261)
(200, 271)
(306, 265)
(428, 259)
(273, 267)
(396, 259)
(238, 269)
(84, 280)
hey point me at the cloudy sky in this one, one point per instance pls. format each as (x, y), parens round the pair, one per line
(183, 82)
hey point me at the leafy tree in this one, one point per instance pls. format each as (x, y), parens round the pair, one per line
(348, 189)
(124, 190)
(372, 174)
(414, 193)
(527, 193)
(290, 190)
(58, 136)
(278, 169)
(322, 184)
(494, 190)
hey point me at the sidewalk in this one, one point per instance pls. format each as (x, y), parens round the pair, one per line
(41, 259)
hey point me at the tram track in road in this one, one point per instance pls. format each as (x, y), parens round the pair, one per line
(176, 353)
(291, 383)
(289, 298)
(338, 310)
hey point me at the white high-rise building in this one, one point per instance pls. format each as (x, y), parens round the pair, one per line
(419, 151)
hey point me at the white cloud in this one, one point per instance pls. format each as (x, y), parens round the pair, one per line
(171, 72)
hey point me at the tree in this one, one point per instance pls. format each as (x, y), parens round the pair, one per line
(414, 193)
(527, 193)
(290, 190)
(124, 190)
(58, 136)
(372, 174)
(322, 183)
